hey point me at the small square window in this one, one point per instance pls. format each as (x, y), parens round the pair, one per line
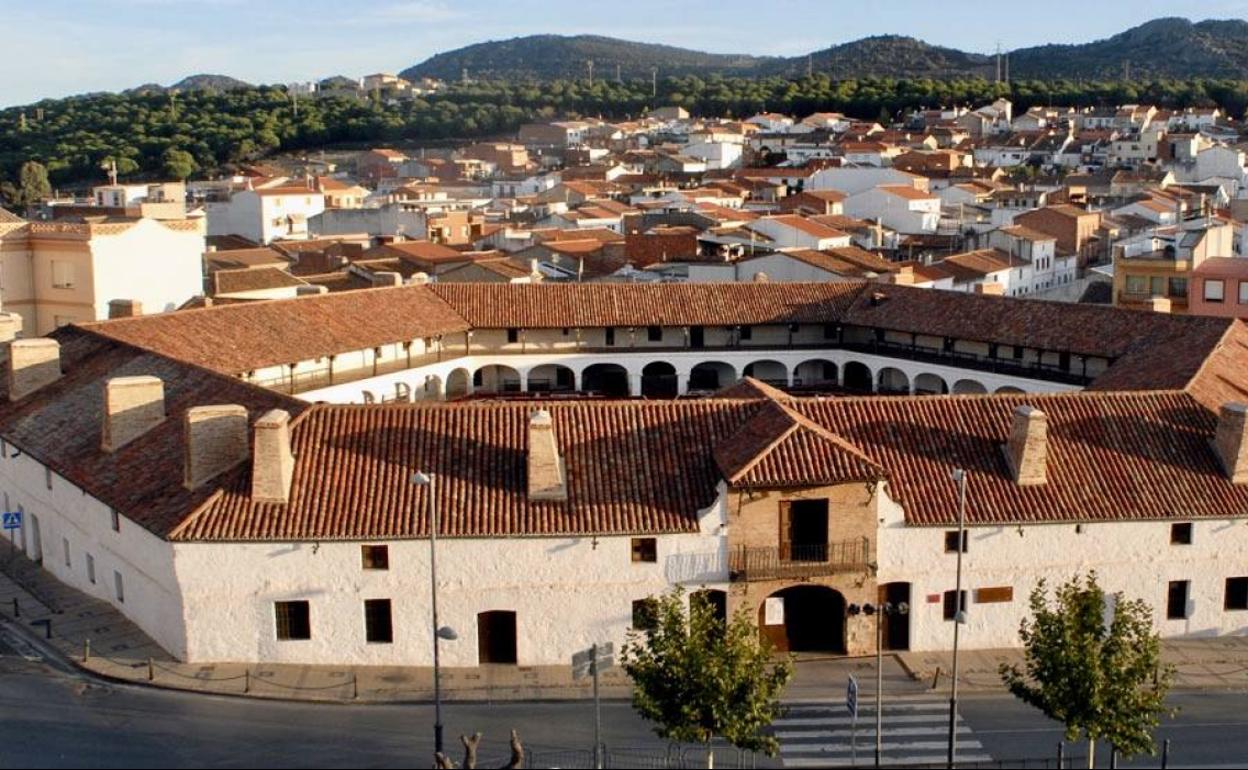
(378, 625)
(747, 332)
(645, 614)
(645, 549)
(1236, 594)
(951, 604)
(951, 541)
(1215, 290)
(1243, 292)
(654, 333)
(1181, 533)
(513, 335)
(293, 620)
(1176, 600)
(375, 556)
(610, 335)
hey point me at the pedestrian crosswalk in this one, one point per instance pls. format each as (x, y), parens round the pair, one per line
(915, 732)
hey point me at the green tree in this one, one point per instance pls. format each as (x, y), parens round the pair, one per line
(1103, 682)
(32, 185)
(179, 164)
(697, 677)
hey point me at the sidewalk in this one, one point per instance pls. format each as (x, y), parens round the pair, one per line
(94, 636)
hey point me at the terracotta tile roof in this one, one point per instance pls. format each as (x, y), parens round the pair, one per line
(973, 265)
(534, 306)
(906, 191)
(241, 258)
(806, 225)
(777, 447)
(423, 251)
(240, 338)
(253, 279)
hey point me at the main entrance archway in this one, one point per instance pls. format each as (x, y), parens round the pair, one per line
(804, 618)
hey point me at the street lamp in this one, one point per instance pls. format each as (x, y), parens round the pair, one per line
(879, 610)
(439, 632)
(959, 614)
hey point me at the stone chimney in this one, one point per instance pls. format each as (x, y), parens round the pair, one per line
(387, 278)
(546, 472)
(216, 441)
(1160, 304)
(990, 288)
(124, 308)
(1230, 444)
(1027, 451)
(272, 465)
(33, 363)
(132, 407)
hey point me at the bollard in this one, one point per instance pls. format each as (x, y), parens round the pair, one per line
(355, 686)
(86, 650)
(1165, 754)
(1061, 755)
(151, 670)
(936, 679)
(246, 680)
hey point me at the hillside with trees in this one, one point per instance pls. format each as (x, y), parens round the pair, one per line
(202, 133)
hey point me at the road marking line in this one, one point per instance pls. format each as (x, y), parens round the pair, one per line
(909, 759)
(817, 721)
(845, 748)
(869, 731)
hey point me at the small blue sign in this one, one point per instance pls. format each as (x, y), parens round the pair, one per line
(12, 520)
(851, 697)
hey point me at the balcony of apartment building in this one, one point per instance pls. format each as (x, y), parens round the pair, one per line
(804, 549)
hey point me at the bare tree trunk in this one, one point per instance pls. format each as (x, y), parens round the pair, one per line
(1091, 753)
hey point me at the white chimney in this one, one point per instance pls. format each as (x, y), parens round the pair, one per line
(132, 407)
(272, 465)
(33, 363)
(1229, 442)
(547, 480)
(1027, 450)
(216, 441)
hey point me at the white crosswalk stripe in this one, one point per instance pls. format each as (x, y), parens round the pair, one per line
(915, 732)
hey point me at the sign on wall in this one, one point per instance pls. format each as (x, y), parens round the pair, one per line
(773, 611)
(12, 519)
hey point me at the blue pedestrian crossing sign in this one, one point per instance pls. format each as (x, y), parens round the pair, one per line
(12, 519)
(851, 697)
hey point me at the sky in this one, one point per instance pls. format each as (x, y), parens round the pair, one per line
(55, 48)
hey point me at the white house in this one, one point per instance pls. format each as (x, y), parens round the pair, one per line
(793, 231)
(899, 207)
(266, 215)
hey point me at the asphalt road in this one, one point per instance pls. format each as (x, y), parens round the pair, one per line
(49, 718)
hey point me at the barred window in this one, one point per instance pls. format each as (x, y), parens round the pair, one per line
(293, 620)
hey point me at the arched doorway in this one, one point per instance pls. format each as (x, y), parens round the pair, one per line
(611, 380)
(496, 637)
(659, 380)
(773, 373)
(893, 380)
(969, 386)
(496, 378)
(931, 385)
(1009, 389)
(858, 377)
(457, 384)
(816, 374)
(804, 618)
(712, 375)
(549, 378)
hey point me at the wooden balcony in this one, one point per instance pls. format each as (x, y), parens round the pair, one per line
(798, 561)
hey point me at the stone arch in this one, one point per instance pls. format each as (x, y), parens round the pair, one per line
(497, 378)
(930, 384)
(549, 378)
(890, 379)
(769, 371)
(458, 383)
(1008, 389)
(659, 380)
(712, 375)
(610, 380)
(813, 619)
(969, 386)
(858, 377)
(815, 374)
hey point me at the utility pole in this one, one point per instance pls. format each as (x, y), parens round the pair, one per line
(618, 79)
(998, 61)
(810, 65)
(590, 63)
(654, 81)
(959, 616)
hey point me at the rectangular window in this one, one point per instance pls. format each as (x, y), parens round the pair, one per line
(65, 546)
(91, 569)
(375, 556)
(610, 334)
(1215, 290)
(1236, 594)
(654, 333)
(1243, 292)
(119, 587)
(951, 604)
(747, 333)
(1137, 284)
(829, 331)
(645, 549)
(1181, 533)
(62, 274)
(1176, 600)
(1157, 286)
(47, 477)
(115, 519)
(1178, 287)
(513, 335)
(951, 542)
(293, 620)
(378, 627)
(645, 614)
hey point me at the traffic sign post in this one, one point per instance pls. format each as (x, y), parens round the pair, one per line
(11, 522)
(851, 703)
(590, 662)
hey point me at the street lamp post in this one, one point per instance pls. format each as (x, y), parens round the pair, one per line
(879, 610)
(959, 616)
(439, 633)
